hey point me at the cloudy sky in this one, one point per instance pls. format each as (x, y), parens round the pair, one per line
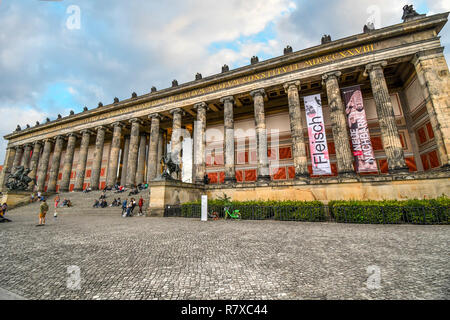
(52, 62)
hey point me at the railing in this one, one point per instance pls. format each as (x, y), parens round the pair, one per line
(340, 214)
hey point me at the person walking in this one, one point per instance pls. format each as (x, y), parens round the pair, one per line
(57, 200)
(140, 204)
(42, 212)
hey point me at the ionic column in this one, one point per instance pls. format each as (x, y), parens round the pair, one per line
(153, 148)
(200, 143)
(176, 146)
(18, 156)
(98, 157)
(133, 153)
(81, 168)
(141, 159)
(295, 119)
(125, 153)
(228, 103)
(27, 156)
(7, 165)
(341, 139)
(114, 155)
(385, 112)
(56, 160)
(433, 75)
(68, 161)
(43, 165)
(34, 163)
(261, 134)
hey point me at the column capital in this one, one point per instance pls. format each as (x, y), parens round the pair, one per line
(59, 137)
(374, 65)
(135, 120)
(27, 145)
(73, 134)
(100, 127)
(330, 75)
(18, 147)
(87, 131)
(258, 92)
(288, 85)
(38, 142)
(117, 124)
(177, 110)
(226, 99)
(155, 115)
(51, 140)
(200, 105)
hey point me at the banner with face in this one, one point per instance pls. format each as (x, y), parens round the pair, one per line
(359, 130)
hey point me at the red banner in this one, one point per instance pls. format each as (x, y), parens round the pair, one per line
(359, 130)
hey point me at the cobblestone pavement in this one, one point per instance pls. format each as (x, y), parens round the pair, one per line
(179, 258)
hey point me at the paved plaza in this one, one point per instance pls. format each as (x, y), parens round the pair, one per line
(180, 258)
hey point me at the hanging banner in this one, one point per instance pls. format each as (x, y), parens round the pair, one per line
(316, 132)
(359, 131)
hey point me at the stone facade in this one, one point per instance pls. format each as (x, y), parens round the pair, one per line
(250, 127)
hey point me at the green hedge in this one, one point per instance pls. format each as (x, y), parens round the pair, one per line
(428, 211)
(259, 210)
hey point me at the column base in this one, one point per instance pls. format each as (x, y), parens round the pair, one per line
(347, 174)
(230, 180)
(265, 178)
(404, 170)
(302, 176)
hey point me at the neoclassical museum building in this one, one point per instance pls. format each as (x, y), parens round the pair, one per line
(363, 117)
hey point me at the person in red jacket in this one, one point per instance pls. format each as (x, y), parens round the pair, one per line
(140, 204)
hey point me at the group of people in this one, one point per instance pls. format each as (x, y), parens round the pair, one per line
(128, 207)
(65, 203)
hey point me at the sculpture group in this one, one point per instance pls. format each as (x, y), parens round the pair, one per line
(19, 179)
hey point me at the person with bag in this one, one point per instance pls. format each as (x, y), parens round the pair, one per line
(42, 212)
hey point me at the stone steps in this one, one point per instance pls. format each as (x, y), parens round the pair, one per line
(82, 203)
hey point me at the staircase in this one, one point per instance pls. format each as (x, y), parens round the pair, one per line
(82, 203)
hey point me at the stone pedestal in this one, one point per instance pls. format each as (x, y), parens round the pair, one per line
(171, 192)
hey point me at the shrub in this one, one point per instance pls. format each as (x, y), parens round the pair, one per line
(428, 211)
